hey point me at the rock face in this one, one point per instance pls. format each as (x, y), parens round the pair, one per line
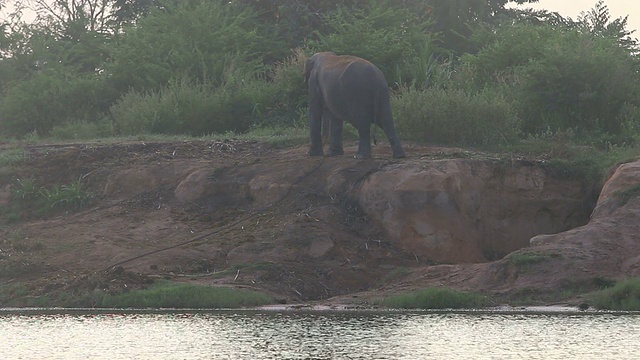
(472, 224)
(442, 211)
(606, 249)
(618, 190)
(609, 245)
(465, 211)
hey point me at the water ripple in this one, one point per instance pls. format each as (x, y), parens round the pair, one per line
(322, 335)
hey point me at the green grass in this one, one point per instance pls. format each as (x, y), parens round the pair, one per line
(624, 196)
(624, 295)
(12, 157)
(180, 295)
(437, 298)
(276, 136)
(525, 260)
(563, 156)
(29, 198)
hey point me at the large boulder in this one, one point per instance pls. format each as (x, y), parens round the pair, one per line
(464, 210)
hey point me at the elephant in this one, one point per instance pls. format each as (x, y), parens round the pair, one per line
(347, 88)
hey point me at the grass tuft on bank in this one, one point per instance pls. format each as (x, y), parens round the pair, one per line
(437, 298)
(179, 295)
(624, 296)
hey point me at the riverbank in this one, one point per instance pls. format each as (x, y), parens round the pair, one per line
(247, 215)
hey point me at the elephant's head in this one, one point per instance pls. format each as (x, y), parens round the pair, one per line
(308, 66)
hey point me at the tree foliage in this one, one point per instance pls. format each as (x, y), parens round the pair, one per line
(580, 75)
(202, 66)
(598, 22)
(200, 39)
(389, 37)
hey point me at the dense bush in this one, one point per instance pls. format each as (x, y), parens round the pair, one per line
(48, 99)
(561, 79)
(582, 82)
(188, 107)
(288, 89)
(199, 39)
(452, 116)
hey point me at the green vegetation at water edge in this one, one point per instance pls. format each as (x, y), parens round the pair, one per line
(523, 260)
(624, 295)
(181, 295)
(437, 298)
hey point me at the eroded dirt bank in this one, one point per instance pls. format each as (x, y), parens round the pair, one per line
(306, 228)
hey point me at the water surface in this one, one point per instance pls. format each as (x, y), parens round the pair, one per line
(319, 335)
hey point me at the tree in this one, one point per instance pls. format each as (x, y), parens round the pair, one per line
(73, 18)
(294, 22)
(129, 11)
(203, 40)
(597, 21)
(560, 77)
(456, 19)
(393, 38)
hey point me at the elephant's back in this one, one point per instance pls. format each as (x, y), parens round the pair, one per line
(363, 74)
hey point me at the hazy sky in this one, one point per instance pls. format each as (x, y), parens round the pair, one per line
(572, 8)
(617, 8)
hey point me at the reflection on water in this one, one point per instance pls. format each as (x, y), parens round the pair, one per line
(320, 335)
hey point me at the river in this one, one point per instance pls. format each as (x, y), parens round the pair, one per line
(318, 335)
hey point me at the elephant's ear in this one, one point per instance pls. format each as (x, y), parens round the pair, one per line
(308, 66)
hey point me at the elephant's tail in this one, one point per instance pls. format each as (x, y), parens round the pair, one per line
(376, 119)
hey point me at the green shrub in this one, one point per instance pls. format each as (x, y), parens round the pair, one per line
(584, 80)
(624, 295)
(436, 298)
(10, 157)
(289, 89)
(187, 107)
(561, 78)
(31, 199)
(179, 295)
(48, 99)
(82, 130)
(454, 117)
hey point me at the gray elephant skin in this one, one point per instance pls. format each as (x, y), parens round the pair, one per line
(347, 88)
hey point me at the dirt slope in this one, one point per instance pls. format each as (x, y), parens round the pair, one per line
(136, 222)
(226, 213)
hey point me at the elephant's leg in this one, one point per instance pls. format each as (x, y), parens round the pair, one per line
(361, 115)
(335, 141)
(315, 125)
(326, 126)
(364, 145)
